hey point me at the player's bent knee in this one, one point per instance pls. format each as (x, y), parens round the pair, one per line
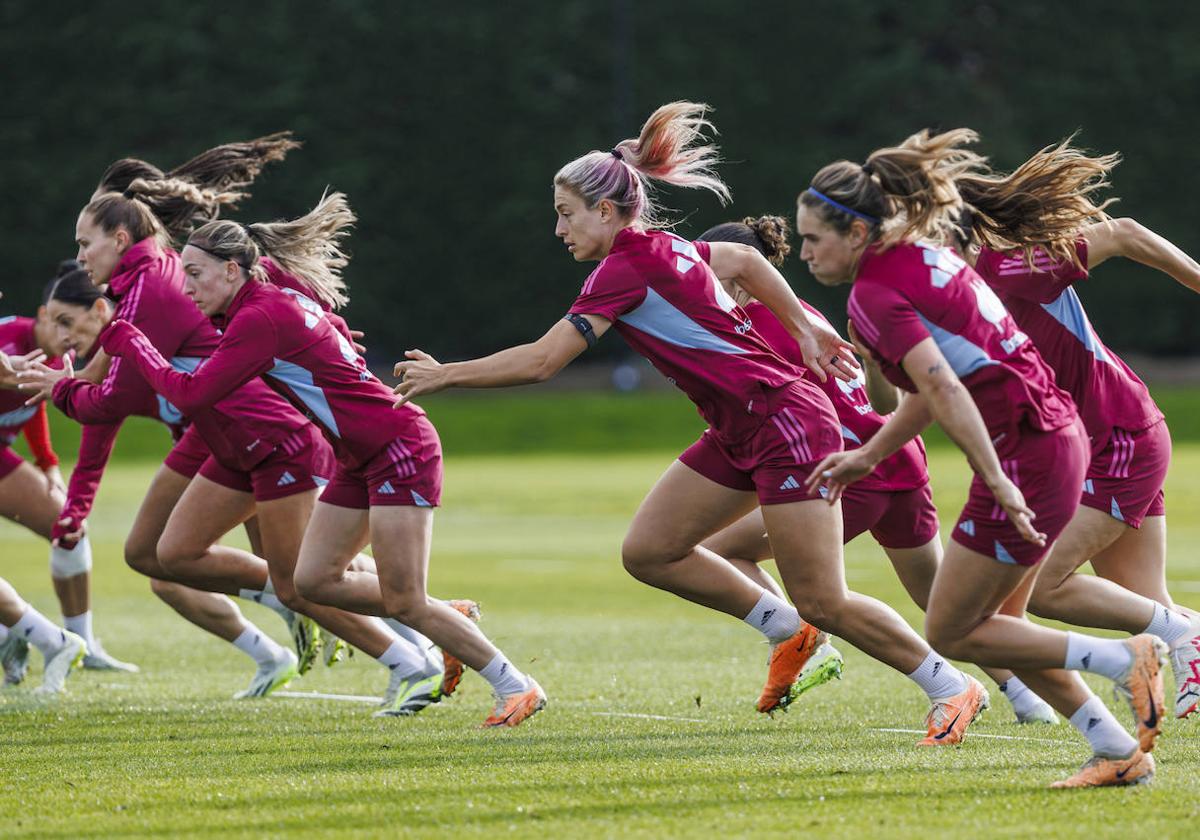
(176, 557)
(406, 606)
(142, 558)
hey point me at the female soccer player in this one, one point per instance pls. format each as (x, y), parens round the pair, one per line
(258, 455)
(894, 502)
(388, 478)
(1120, 524)
(768, 425)
(940, 333)
(33, 496)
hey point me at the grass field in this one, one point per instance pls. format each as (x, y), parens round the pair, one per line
(650, 730)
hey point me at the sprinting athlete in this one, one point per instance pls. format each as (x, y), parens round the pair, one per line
(768, 424)
(260, 456)
(33, 496)
(1120, 525)
(229, 169)
(894, 502)
(940, 333)
(388, 478)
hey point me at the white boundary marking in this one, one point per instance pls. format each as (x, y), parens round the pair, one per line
(317, 695)
(648, 717)
(971, 735)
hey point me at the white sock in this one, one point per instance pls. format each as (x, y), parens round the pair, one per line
(40, 632)
(404, 657)
(504, 676)
(1107, 657)
(938, 678)
(1024, 701)
(1097, 724)
(433, 655)
(774, 617)
(258, 646)
(80, 625)
(1171, 627)
(266, 597)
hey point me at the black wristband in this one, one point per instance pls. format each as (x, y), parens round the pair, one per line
(585, 328)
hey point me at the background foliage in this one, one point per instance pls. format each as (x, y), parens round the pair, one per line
(445, 126)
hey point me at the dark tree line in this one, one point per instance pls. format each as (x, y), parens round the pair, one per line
(444, 123)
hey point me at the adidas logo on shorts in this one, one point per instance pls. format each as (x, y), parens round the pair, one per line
(387, 489)
(790, 484)
(967, 527)
(285, 479)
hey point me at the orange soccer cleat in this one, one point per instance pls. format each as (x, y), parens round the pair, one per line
(949, 718)
(1142, 687)
(1138, 769)
(453, 665)
(512, 709)
(783, 668)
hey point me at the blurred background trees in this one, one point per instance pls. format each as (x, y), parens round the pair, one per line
(445, 123)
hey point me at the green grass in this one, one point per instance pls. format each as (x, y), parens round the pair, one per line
(541, 420)
(536, 539)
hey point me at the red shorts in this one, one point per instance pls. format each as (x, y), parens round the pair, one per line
(9, 461)
(188, 454)
(800, 430)
(895, 518)
(407, 472)
(299, 464)
(1047, 467)
(1125, 478)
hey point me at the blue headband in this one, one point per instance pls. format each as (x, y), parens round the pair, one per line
(843, 207)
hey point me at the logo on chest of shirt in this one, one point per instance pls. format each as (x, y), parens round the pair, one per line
(744, 327)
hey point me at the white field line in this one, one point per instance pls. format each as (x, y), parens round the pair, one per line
(648, 717)
(317, 695)
(969, 735)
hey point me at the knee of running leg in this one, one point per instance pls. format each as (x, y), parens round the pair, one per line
(287, 592)
(141, 558)
(174, 557)
(406, 606)
(307, 584)
(642, 559)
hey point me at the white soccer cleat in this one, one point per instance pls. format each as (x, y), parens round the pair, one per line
(60, 663)
(14, 655)
(98, 659)
(270, 677)
(1185, 662)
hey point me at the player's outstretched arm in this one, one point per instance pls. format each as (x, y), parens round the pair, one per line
(824, 351)
(1130, 239)
(521, 365)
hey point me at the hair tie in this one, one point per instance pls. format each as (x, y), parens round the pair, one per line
(867, 169)
(864, 216)
(250, 234)
(617, 154)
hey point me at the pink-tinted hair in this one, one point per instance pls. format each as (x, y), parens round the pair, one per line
(669, 149)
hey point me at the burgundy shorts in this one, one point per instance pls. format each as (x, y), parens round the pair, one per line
(9, 461)
(1047, 467)
(299, 464)
(895, 518)
(799, 432)
(1125, 478)
(188, 454)
(407, 472)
